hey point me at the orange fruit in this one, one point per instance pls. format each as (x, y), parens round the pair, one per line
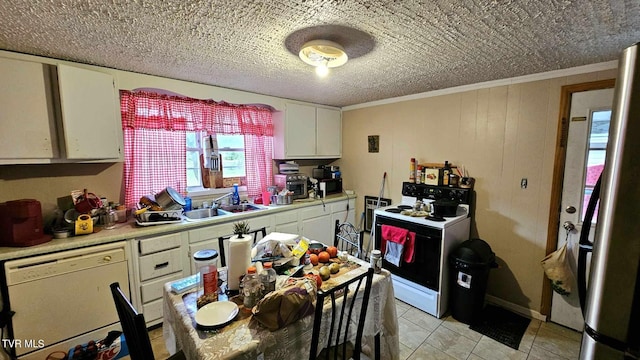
(314, 259)
(324, 257)
(333, 251)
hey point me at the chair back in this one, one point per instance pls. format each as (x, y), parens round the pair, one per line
(133, 326)
(341, 317)
(223, 257)
(348, 238)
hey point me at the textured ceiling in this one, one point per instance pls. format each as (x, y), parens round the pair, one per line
(411, 47)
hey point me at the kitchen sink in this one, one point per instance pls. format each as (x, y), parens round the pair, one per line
(239, 208)
(201, 214)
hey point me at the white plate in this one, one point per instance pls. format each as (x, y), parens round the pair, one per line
(216, 314)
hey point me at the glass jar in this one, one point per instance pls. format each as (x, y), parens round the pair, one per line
(108, 218)
(205, 262)
(376, 261)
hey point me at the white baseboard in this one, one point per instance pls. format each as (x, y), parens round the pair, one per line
(516, 308)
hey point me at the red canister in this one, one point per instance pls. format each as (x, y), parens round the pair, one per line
(205, 262)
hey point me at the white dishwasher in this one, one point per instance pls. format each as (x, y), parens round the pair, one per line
(62, 299)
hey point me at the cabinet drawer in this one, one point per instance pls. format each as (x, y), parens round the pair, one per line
(159, 264)
(314, 211)
(288, 228)
(259, 222)
(152, 311)
(159, 243)
(153, 289)
(210, 232)
(342, 206)
(286, 217)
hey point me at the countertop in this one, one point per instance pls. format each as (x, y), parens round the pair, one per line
(129, 230)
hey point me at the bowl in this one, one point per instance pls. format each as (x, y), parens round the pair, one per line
(282, 199)
(316, 248)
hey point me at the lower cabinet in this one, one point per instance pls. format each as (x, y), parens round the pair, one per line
(163, 258)
(207, 237)
(286, 222)
(343, 212)
(316, 224)
(158, 260)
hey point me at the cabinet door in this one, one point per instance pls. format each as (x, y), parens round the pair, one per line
(27, 121)
(316, 224)
(90, 114)
(319, 229)
(212, 244)
(329, 132)
(300, 133)
(345, 211)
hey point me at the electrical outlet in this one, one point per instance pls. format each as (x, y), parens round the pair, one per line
(523, 183)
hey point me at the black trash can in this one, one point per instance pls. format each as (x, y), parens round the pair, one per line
(470, 264)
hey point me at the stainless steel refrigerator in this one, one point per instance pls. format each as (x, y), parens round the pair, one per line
(612, 297)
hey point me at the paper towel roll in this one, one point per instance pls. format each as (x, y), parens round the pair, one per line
(239, 259)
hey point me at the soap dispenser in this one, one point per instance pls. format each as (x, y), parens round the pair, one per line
(235, 198)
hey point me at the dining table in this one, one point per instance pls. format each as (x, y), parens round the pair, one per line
(246, 338)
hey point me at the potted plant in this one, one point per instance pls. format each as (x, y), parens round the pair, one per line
(241, 228)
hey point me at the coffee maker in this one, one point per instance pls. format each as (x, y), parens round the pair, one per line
(21, 223)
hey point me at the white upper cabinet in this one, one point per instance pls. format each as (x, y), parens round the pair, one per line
(308, 132)
(27, 126)
(57, 113)
(328, 133)
(89, 106)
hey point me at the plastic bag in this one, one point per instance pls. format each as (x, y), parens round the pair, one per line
(282, 307)
(557, 269)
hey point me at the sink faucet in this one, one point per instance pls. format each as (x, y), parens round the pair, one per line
(218, 200)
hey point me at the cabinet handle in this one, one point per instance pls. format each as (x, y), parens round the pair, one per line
(162, 265)
(107, 258)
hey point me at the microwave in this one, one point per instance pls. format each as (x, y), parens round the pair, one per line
(296, 183)
(330, 186)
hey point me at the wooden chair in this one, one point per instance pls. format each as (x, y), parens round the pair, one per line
(222, 239)
(135, 328)
(348, 238)
(337, 345)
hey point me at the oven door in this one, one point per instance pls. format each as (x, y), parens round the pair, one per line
(425, 269)
(299, 189)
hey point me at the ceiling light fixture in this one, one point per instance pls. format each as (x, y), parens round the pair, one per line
(323, 54)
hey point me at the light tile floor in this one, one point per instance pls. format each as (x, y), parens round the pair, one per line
(423, 336)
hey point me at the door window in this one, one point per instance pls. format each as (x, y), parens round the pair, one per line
(596, 151)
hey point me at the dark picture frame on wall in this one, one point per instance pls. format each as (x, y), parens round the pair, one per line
(374, 143)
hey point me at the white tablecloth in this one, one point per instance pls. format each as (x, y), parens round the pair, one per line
(247, 339)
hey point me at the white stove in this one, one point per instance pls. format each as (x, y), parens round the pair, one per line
(424, 283)
(390, 211)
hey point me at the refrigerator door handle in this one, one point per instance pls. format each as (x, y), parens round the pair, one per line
(585, 246)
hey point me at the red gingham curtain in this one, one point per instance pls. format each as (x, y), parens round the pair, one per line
(154, 128)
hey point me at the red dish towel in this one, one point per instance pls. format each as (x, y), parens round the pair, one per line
(401, 236)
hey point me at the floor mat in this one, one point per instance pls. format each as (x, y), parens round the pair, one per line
(502, 325)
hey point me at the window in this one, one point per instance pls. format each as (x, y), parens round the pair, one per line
(596, 152)
(231, 150)
(163, 142)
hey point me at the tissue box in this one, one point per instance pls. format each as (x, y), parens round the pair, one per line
(99, 350)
